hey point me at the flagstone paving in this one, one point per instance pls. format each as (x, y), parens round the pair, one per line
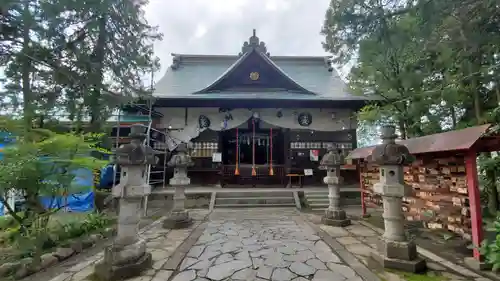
(161, 243)
(261, 244)
(265, 245)
(361, 240)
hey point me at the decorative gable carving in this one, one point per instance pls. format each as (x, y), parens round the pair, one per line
(254, 43)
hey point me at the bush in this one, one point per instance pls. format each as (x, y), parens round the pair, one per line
(491, 250)
(7, 222)
(57, 235)
(40, 163)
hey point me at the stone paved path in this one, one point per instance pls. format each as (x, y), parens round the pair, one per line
(265, 244)
(161, 243)
(261, 245)
(361, 240)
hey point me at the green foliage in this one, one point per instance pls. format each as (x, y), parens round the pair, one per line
(433, 64)
(491, 249)
(82, 58)
(39, 240)
(40, 163)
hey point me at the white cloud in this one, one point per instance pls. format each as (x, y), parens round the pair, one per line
(289, 27)
(201, 30)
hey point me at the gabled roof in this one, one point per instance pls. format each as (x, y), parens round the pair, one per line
(257, 61)
(457, 140)
(193, 76)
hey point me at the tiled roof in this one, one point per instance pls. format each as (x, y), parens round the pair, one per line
(457, 140)
(264, 59)
(196, 72)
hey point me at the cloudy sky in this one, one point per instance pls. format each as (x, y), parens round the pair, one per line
(289, 27)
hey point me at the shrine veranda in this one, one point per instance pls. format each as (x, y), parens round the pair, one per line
(254, 119)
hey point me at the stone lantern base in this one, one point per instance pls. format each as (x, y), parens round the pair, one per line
(177, 220)
(400, 256)
(120, 263)
(335, 218)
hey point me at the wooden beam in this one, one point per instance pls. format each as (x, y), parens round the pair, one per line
(474, 201)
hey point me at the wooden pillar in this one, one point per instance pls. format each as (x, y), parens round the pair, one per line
(474, 201)
(361, 186)
(220, 174)
(286, 150)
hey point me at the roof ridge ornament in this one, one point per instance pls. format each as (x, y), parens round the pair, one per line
(329, 64)
(176, 61)
(254, 43)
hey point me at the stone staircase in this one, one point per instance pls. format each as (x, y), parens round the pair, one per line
(241, 199)
(317, 200)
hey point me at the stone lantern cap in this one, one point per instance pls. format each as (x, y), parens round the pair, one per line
(332, 158)
(135, 152)
(181, 158)
(389, 152)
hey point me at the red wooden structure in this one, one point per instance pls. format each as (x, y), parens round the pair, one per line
(467, 143)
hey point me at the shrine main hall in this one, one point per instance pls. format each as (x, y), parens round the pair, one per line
(255, 119)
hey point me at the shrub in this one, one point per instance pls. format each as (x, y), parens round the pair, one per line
(41, 163)
(491, 249)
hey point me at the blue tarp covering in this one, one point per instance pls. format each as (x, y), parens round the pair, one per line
(107, 174)
(2, 146)
(80, 202)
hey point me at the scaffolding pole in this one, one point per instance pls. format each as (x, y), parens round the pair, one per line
(117, 142)
(148, 138)
(165, 164)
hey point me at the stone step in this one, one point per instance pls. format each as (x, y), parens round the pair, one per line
(316, 204)
(253, 205)
(319, 199)
(254, 197)
(343, 202)
(315, 193)
(236, 194)
(254, 200)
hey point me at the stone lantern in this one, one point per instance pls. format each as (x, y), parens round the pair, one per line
(395, 250)
(331, 162)
(127, 256)
(179, 216)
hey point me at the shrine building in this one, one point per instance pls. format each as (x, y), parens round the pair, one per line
(255, 119)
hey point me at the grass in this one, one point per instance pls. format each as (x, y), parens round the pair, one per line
(63, 227)
(406, 276)
(55, 219)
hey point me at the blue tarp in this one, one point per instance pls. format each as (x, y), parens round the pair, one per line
(80, 202)
(2, 146)
(107, 174)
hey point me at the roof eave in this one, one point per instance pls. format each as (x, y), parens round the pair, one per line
(291, 58)
(268, 60)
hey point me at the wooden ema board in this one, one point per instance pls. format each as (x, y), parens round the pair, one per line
(440, 198)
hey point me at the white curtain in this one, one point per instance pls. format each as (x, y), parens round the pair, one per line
(322, 120)
(217, 123)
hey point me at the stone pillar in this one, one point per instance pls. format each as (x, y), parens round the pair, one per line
(179, 216)
(331, 162)
(127, 256)
(395, 251)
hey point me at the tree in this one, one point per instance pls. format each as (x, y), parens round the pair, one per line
(87, 56)
(38, 164)
(434, 64)
(113, 49)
